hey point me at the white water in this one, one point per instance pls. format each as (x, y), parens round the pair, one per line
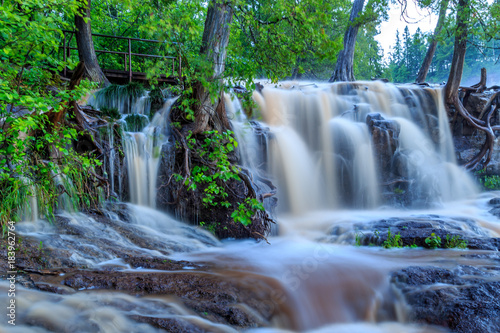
(143, 152)
(142, 145)
(321, 156)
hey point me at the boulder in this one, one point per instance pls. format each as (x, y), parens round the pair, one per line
(463, 299)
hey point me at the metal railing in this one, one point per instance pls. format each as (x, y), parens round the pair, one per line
(127, 55)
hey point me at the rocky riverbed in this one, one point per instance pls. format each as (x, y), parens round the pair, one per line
(460, 293)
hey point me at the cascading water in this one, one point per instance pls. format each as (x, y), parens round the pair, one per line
(322, 154)
(142, 151)
(142, 142)
(318, 142)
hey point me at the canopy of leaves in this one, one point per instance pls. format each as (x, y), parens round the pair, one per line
(32, 154)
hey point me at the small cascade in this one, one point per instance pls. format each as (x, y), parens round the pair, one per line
(29, 211)
(111, 156)
(127, 99)
(135, 231)
(250, 151)
(143, 151)
(357, 172)
(320, 136)
(142, 140)
(66, 199)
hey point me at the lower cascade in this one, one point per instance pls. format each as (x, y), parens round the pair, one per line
(362, 163)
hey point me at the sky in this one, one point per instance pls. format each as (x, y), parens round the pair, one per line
(418, 18)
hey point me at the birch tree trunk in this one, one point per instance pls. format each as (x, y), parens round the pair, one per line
(345, 60)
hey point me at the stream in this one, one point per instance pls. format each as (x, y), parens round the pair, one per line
(342, 180)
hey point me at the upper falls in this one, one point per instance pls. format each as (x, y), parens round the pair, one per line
(326, 146)
(359, 145)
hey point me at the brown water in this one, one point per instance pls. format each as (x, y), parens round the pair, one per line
(320, 281)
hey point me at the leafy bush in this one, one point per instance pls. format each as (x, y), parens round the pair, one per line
(490, 182)
(33, 151)
(112, 113)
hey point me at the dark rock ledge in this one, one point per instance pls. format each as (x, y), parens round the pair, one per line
(464, 299)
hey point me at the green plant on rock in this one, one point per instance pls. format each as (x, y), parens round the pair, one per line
(210, 227)
(393, 241)
(215, 172)
(455, 242)
(398, 190)
(243, 214)
(215, 149)
(136, 122)
(358, 238)
(111, 113)
(433, 241)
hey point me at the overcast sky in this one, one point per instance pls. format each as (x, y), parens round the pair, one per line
(418, 18)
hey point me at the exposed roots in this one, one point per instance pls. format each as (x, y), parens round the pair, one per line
(483, 122)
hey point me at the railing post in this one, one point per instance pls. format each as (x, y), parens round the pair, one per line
(125, 61)
(180, 69)
(129, 60)
(64, 53)
(173, 67)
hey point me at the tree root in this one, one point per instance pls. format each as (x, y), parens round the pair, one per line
(483, 122)
(483, 125)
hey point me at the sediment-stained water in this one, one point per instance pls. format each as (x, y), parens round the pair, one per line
(309, 277)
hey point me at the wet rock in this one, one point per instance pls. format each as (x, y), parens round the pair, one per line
(415, 230)
(385, 138)
(206, 294)
(465, 299)
(173, 325)
(495, 202)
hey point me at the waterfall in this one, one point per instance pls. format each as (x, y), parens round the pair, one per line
(142, 152)
(322, 153)
(142, 140)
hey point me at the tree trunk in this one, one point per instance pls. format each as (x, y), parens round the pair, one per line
(344, 68)
(424, 69)
(457, 64)
(86, 51)
(188, 197)
(213, 47)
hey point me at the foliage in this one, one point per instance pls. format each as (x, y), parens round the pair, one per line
(132, 91)
(482, 45)
(156, 98)
(215, 149)
(112, 113)
(358, 239)
(490, 182)
(136, 122)
(455, 242)
(33, 152)
(213, 175)
(433, 241)
(393, 241)
(368, 55)
(243, 214)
